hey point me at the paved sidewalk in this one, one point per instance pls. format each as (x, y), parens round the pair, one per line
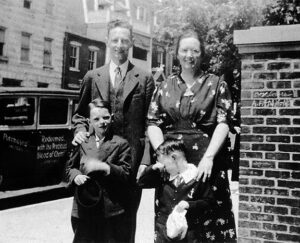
(49, 222)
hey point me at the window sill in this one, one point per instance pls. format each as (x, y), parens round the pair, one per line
(46, 67)
(3, 59)
(74, 69)
(26, 63)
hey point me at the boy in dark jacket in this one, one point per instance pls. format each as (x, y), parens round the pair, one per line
(100, 170)
(178, 192)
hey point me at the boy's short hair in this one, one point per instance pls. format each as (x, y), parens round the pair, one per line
(99, 103)
(119, 23)
(169, 146)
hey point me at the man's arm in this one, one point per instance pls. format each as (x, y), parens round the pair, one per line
(146, 160)
(79, 122)
(149, 91)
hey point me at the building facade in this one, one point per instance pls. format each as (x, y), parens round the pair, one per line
(97, 13)
(31, 42)
(80, 55)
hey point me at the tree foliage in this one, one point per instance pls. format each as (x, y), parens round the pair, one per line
(282, 12)
(215, 20)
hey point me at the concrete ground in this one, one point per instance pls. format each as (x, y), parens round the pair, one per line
(49, 222)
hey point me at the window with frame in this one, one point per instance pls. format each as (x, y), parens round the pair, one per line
(17, 111)
(159, 58)
(27, 4)
(92, 57)
(25, 47)
(141, 13)
(139, 53)
(53, 111)
(74, 55)
(47, 60)
(10, 82)
(2, 40)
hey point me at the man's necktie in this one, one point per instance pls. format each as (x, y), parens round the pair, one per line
(118, 77)
(178, 180)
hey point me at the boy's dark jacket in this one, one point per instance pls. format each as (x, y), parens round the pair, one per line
(199, 195)
(115, 187)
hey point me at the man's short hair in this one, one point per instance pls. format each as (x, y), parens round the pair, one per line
(119, 23)
(169, 146)
(99, 103)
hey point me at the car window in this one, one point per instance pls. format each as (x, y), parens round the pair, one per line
(53, 111)
(17, 111)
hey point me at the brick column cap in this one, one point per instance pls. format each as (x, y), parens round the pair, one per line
(267, 34)
(268, 39)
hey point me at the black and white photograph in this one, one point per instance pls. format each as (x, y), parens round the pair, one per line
(149, 121)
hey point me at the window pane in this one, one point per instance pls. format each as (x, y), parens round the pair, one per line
(25, 41)
(47, 59)
(24, 55)
(139, 53)
(90, 5)
(91, 55)
(72, 62)
(27, 3)
(53, 111)
(17, 111)
(47, 45)
(2, 35)
(47, 52)
(73, 51)
(1, 49)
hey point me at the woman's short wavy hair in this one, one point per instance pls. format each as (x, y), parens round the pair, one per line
(188, 32)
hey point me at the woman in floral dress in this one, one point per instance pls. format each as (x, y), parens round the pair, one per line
(195, 106)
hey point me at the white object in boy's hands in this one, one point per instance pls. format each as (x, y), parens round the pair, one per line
(182, 206)
(176, 223)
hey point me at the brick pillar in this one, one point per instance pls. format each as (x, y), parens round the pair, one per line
(269, 206)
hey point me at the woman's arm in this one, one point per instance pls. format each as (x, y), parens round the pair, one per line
(219, 136)
(156, 136)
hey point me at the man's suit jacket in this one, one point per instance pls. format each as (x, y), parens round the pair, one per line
(116, 189)
(136, 96)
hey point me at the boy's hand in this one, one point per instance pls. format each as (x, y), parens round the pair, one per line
(158, 166)
(92, 165)
(80, 137)
(80, 179)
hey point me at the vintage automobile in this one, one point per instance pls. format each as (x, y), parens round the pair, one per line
(35, 135)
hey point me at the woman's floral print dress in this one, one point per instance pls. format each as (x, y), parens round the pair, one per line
(192, 115)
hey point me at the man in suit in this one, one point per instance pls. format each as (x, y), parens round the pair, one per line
(128, 89)
(100, 169)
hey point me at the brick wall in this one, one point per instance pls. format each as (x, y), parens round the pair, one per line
(269, 207)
